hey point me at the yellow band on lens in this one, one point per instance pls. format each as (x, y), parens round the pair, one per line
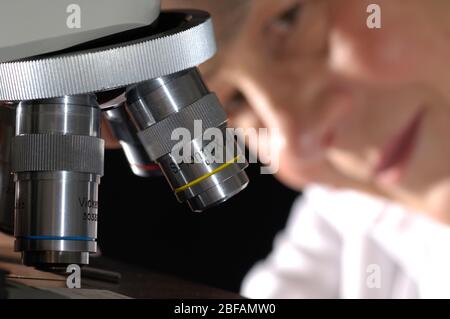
(202, 178)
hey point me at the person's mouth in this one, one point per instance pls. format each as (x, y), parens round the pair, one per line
(397, 152)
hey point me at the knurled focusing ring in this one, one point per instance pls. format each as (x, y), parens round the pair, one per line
(188, 44)
(54, 152)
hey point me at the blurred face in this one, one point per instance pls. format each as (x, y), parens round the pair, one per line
(356, 107)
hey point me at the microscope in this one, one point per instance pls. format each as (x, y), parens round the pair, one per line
(65, 65)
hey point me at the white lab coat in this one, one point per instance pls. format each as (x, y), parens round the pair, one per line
(344, 244)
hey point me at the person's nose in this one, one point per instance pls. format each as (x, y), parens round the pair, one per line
(280, 94)
(300, 99)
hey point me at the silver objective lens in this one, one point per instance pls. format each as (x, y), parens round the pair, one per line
(123, 129)
(57, 160)
(163, 105)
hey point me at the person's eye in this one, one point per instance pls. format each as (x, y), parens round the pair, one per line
(288, 18)
(281, 27)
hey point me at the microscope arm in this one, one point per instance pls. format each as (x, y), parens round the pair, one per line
(39, 27)
(57, 152)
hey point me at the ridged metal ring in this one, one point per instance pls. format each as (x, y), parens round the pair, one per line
(112, 67)
(54, 152)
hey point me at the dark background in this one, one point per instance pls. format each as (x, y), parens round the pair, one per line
(141, 222)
